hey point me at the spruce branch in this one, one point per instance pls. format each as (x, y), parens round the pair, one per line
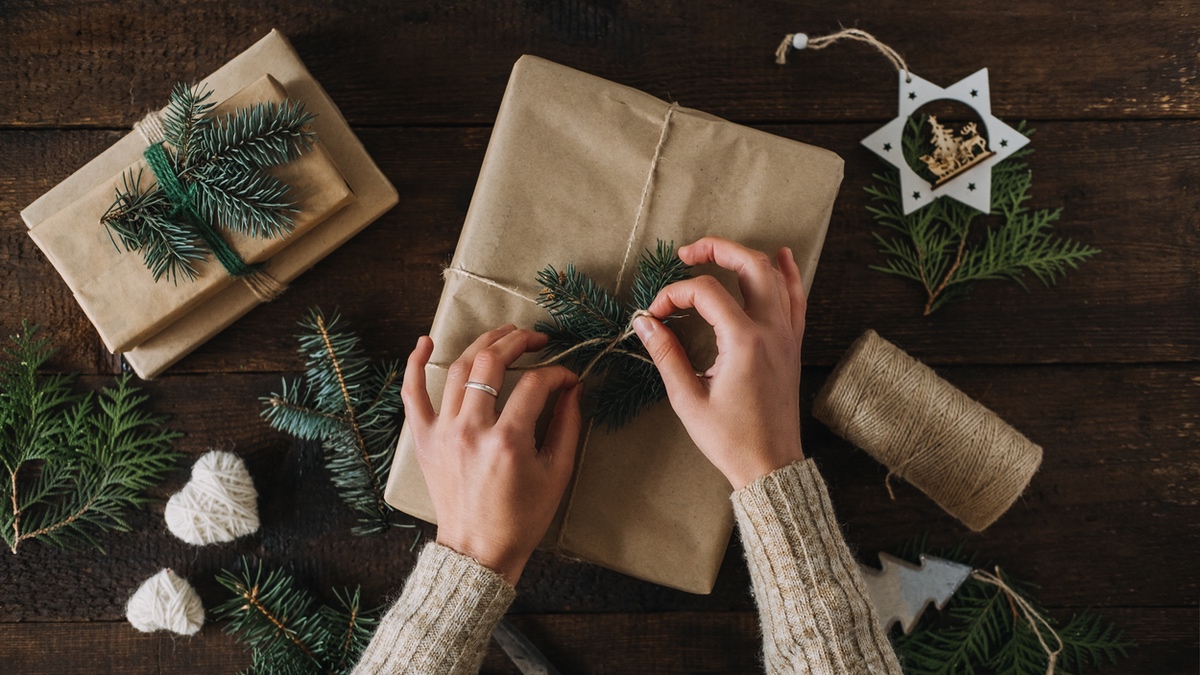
(981, 630)
(73, 463)
(590, 332)
(351, 406)
(221, 165)
(287, 629)
(936, 247)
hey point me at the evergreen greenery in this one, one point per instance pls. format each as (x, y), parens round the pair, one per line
(590, 332)
(350, 405)
(981, 631)
(934, 245)
(221, 166)
(73, 463)
(288, 630)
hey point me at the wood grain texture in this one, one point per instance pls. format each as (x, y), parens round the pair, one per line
(683, 643)
(430, 62)
(1119, 466)
(1102, 371)
(1127, 188)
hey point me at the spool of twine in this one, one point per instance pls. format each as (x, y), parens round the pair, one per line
(926, 431)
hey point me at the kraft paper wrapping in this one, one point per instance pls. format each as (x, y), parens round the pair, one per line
(569, 161)
(114, 287)
(351, 177)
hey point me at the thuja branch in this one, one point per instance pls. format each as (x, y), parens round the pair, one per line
(981, 629)
(936, 247)
(350, 406)
(75, 461)
(591, 332)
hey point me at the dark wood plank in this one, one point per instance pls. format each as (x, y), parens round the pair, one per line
(1126, 188)
(432, 62)
(1120, 468)
(661, 643)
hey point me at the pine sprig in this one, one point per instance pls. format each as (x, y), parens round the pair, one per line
(590, 331)
(73, 463)
(934, 246)
(981, 631)
(223, 165)
(288, 630)
(349, 405)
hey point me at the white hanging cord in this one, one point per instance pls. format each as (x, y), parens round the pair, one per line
(801, 41)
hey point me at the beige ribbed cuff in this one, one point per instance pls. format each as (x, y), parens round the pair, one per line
(815, 611)
(443, 619)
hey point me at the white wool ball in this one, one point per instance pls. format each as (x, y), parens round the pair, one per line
(218, 504)
(165, 602)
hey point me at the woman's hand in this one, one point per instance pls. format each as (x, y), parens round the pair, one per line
(744, 413)
(494, 492)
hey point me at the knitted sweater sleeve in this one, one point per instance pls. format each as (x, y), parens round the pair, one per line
(815, 612)
(443, 619)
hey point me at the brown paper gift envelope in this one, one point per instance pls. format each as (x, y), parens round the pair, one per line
(338, 180)
(583, 170)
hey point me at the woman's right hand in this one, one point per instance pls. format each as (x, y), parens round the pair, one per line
(744, 412)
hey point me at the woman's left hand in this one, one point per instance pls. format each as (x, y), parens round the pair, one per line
(493, 490)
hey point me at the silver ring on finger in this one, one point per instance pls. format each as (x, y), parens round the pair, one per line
(487, 389)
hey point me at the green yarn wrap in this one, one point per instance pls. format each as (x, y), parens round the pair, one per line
(181, 198)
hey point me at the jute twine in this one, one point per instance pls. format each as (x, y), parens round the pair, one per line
(926, 431)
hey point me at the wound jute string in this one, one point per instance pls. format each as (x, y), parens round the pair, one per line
(1031, 615)
(801, 41)
(165, 601)
(926, 431)
(218, 504)
(264, 286)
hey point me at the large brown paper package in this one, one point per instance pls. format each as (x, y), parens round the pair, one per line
(337, 187)
(583, 170)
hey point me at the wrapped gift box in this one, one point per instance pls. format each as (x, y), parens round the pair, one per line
(582, 170)
(337, 187)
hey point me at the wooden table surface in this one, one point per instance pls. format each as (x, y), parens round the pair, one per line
(1103, 371)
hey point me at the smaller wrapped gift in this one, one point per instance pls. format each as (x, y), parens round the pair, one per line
(155, 316)
(585, 171)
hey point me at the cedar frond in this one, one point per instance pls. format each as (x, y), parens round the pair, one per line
(72, 464)
(937, 247)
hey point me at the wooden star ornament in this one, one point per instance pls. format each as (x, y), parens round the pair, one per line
(962, 161)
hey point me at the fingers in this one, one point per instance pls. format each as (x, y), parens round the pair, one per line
(460, 370)
(708, 297)
(670, 358)
(563, 435)
(795, 290)
(417, 407)
(488, 367)
(529, 397)
(759, 282)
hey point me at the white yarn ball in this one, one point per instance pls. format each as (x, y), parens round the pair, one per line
(218, 504)
(165, 602)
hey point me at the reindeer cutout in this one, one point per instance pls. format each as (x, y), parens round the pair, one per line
(954, 153)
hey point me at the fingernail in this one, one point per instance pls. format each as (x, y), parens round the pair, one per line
(644, 326)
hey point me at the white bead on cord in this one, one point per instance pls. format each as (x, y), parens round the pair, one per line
(799, 41)
(165, 602)
(218, 504)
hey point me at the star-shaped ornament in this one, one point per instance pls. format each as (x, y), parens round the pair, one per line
(959, 155)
